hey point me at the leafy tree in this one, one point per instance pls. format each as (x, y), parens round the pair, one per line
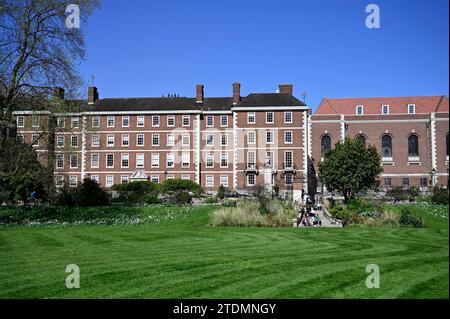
(350, 167)
(89, 193)
(439, 196)
(137, 192)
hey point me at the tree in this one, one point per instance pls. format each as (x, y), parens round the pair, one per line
(38, 52)
(350, 167)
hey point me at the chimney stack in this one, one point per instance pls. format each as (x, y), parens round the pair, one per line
(286, 89)
(236, 93)
(92, 94)
(58, 93)
(200, 94)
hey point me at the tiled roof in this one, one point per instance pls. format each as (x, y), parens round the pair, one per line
(372, 105)
(270, 99)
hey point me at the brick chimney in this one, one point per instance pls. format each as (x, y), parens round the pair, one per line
(285, 88)
(200, 95)
(236, 93)
(92, 94)
(58, 93)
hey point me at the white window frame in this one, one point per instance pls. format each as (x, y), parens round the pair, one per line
(185, 177)
(95, 164)
(249, 140)
(209, 180)
(95, 121)
(125, 140)
(73, 181)
(291, 159)
(358, 108)
(170, 118)
(61, 122)
(224, 180)
(154, 178)
(110, 121)
(95, 178)
(286, 133)
(172, 157)
(248, 180)
(153, 139)
(35, 140)
(222, 117)
(126, 118)
(60, 138)
(95, 140)
(70, 161)
(156, 118)
(110, 138)
(170, 139)
(209, 117)
(155, 160)
(20, 121)
(267, 117)
(253, 153)
(291, 115)
(224, 156)
(140, 160)
(270, 133)
(109, 180)
(74, 122)
(58, 158)
(140, 121)
(382, 109)
(184, 118)
(137, 140)
(207, 157)
(106, 162)
(208, 141)
(222, 136)
(125, 157)
(249, 116)
(124, 179)
(184, 138)
(185, 160)
(35, 118)
(72, 139)
(413, 108)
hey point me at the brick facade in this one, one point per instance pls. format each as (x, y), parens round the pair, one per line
(422, 118)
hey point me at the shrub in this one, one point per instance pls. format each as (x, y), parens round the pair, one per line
(221, 192)
(210, 200)
(359, 206)
(340, 212)
(229, 203)
(64, 197)
(177, 185)
(413, 193)
(181, 198)
(439, 196)
(410, 220)
(89, 193)
(247, 214)
(139, 192)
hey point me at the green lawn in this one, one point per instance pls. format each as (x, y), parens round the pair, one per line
(184, 258)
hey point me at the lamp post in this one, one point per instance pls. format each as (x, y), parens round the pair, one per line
(165, 174)
(433, 177)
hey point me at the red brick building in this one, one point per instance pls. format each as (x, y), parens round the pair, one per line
(411, 134)
(236, 141)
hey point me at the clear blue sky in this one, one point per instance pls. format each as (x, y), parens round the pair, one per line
(141, 48)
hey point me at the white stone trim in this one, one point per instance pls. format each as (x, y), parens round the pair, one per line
(342, 121)
(235, 153)
(433, 144)
(197, 147)
(275, 108)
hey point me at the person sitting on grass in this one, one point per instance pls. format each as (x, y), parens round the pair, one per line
(317, 220)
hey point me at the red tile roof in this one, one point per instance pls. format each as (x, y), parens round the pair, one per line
(372, 105)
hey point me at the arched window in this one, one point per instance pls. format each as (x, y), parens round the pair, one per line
(362, 139)
(413, 146)
(386, 146)
(325, 144)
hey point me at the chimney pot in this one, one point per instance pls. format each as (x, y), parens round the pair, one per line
(200, 93)
(92, 94)
(236, 93)
(286, 88)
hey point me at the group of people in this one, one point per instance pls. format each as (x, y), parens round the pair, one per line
(308, 217)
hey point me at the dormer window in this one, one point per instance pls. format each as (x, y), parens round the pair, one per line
(385, 109)
(359, 110)
(411, 109)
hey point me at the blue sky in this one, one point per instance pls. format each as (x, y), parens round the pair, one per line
(141, 48)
